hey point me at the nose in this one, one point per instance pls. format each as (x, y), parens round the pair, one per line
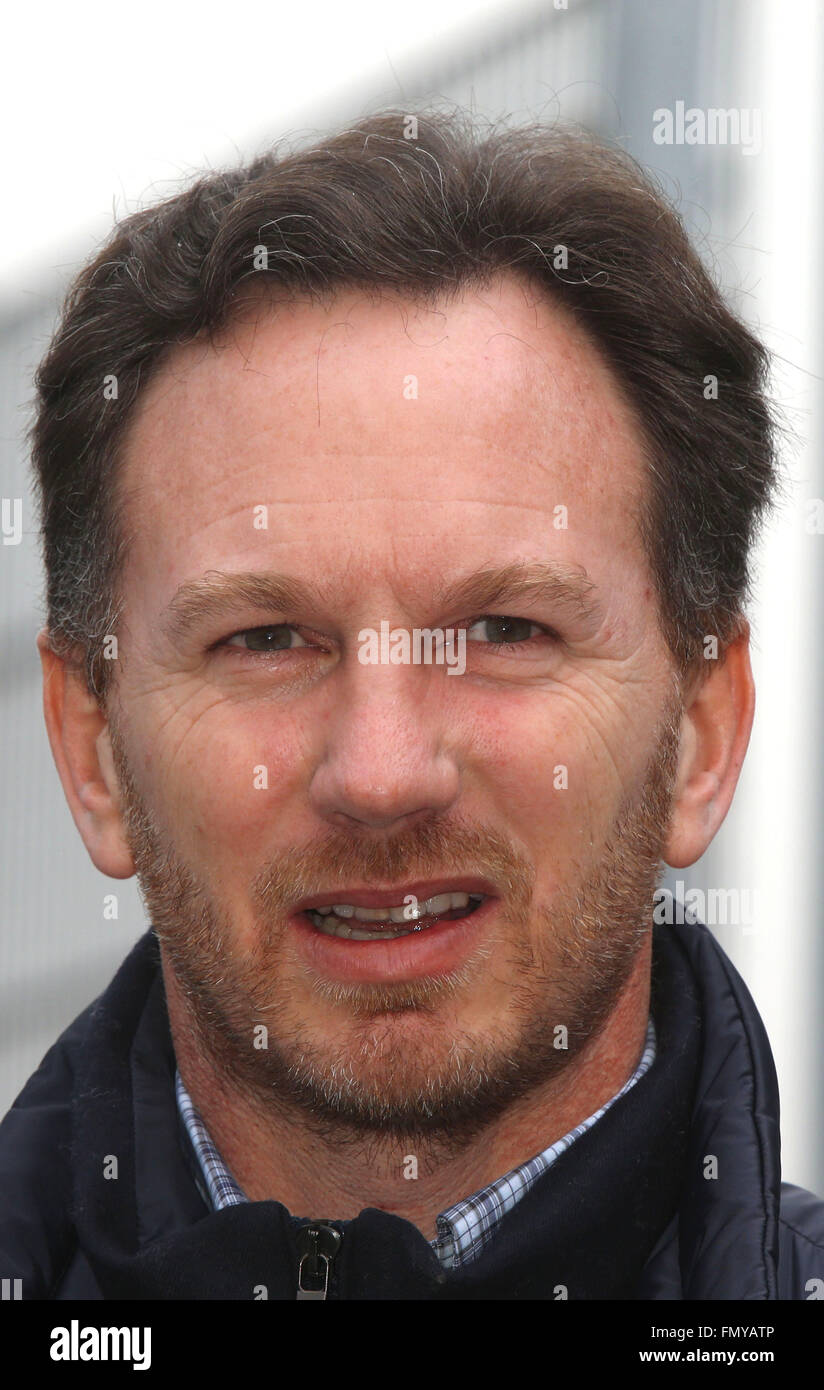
(386, 763)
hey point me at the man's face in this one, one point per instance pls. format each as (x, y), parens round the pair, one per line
(390, 464)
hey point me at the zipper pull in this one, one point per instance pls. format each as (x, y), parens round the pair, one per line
(318, 1244)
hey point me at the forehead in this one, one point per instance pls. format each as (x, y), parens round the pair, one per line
(383, 422)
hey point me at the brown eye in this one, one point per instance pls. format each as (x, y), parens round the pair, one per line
(277, 638)
(499, 630)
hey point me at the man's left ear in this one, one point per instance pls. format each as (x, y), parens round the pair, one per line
(715, 733)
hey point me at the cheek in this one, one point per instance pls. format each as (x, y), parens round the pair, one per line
(551, 771)
(222, 781)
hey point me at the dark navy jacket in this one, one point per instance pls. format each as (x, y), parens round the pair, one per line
(675, 1193)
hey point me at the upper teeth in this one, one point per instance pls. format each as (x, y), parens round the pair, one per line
(407, 912)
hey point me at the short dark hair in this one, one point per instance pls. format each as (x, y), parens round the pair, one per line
(424, 203)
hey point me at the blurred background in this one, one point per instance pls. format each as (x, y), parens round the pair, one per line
(107, 108)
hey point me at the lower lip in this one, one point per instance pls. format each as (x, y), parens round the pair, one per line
(436, 950)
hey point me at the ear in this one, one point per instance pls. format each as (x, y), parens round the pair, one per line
(715, 732)
(81, 747)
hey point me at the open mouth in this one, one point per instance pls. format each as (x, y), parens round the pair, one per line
(353, 923)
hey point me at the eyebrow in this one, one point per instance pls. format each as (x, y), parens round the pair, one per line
(217, 593)
(551, 581)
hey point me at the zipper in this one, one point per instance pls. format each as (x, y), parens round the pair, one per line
(318, 1243)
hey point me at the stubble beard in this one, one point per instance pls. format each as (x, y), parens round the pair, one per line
(439, 1086)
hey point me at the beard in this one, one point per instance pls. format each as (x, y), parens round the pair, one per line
(393, 1061)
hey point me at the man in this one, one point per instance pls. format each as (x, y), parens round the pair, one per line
(386, 517)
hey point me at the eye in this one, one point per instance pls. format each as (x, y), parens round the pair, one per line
(503, 631)
(276, 638)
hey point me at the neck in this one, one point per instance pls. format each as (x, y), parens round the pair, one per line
(281, 1156)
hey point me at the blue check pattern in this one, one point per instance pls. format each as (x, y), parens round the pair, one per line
(463, 1229)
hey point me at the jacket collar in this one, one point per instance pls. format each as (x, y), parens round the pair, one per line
(728, 1223)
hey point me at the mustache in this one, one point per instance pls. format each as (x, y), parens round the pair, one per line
(430, 849)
